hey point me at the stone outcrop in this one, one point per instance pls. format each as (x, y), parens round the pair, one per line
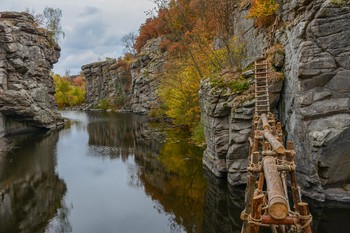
(145, 72)
(227, 119)
(126, 86)
(317, 94)
(27, 55)
(109, 81)
(315, 102)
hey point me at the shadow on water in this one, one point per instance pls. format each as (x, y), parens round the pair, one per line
(31, 191)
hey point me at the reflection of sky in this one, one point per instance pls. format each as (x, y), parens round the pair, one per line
(98, 189)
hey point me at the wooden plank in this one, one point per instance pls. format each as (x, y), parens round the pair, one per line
(278, 207)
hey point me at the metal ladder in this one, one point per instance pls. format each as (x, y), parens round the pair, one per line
(262, 104)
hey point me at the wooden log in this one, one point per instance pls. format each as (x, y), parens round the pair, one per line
(276, 145)
(267, 219)
(269, 153)
(265, 122)
(293, 177)
(266, 146)
(278, 207)
(261, 182)
(305, 217)
(251, 183)
(256, 215)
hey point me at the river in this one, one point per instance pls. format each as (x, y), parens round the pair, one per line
(117, 172)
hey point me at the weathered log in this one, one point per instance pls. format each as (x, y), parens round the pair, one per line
(278, 207)
(265, 122)
(256, 215)
(251, 182)
(267, 219)
(276, 145)
(305, 218)
(292, 175)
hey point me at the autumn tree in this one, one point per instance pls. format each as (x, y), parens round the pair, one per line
(263, 11)
(199, 40)
(69, 93)
(52, 19)
(128, 41)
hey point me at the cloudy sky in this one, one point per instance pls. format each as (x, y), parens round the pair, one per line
(93, 28)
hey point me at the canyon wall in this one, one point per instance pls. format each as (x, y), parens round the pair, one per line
(108, 81)
(124, 86)
(27, 56)
(315, 100)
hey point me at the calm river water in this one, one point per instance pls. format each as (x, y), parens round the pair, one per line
(114, 172)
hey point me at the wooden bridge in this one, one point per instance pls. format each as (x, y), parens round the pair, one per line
(270, 165)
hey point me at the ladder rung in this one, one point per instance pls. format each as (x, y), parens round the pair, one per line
(263, 105)
(260, 91)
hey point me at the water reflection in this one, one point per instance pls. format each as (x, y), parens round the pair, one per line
(165, 164)
(122, 174)
(31, 191)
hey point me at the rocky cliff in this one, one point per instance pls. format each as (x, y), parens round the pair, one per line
(126, 86)
(27, 55)
(315, 102)
(108, 81)
(145, 72)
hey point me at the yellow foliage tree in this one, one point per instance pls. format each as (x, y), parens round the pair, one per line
(263, 8)
(67, 94)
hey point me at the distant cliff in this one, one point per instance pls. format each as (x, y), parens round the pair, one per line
(27, 56)
(124, 86)
(107, 82)
(315, 100)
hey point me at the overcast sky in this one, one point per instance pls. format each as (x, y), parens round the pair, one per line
(93, 28)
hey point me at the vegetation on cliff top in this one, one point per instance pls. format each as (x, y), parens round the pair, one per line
(199, 43)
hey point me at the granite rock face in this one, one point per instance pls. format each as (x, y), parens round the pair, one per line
(130, 87)
(317, 94)
(26, 87)
(227, 121)
(315, 100)
(145, 72)
(108, 81)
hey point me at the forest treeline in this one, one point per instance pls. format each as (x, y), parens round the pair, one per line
(200, 42)
(70, 90)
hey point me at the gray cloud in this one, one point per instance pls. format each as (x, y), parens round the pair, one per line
(93, 28)
(88, 11)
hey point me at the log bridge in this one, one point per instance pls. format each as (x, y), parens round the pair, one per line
(270, 167)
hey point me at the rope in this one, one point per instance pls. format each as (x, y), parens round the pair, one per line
(257, 222)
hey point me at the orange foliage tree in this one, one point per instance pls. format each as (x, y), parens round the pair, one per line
(199, 41)
(263, 11)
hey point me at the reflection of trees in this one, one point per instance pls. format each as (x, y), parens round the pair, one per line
(111, 129)
(173, 176)
(31, 192)
(223, 206)
(113, 133)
